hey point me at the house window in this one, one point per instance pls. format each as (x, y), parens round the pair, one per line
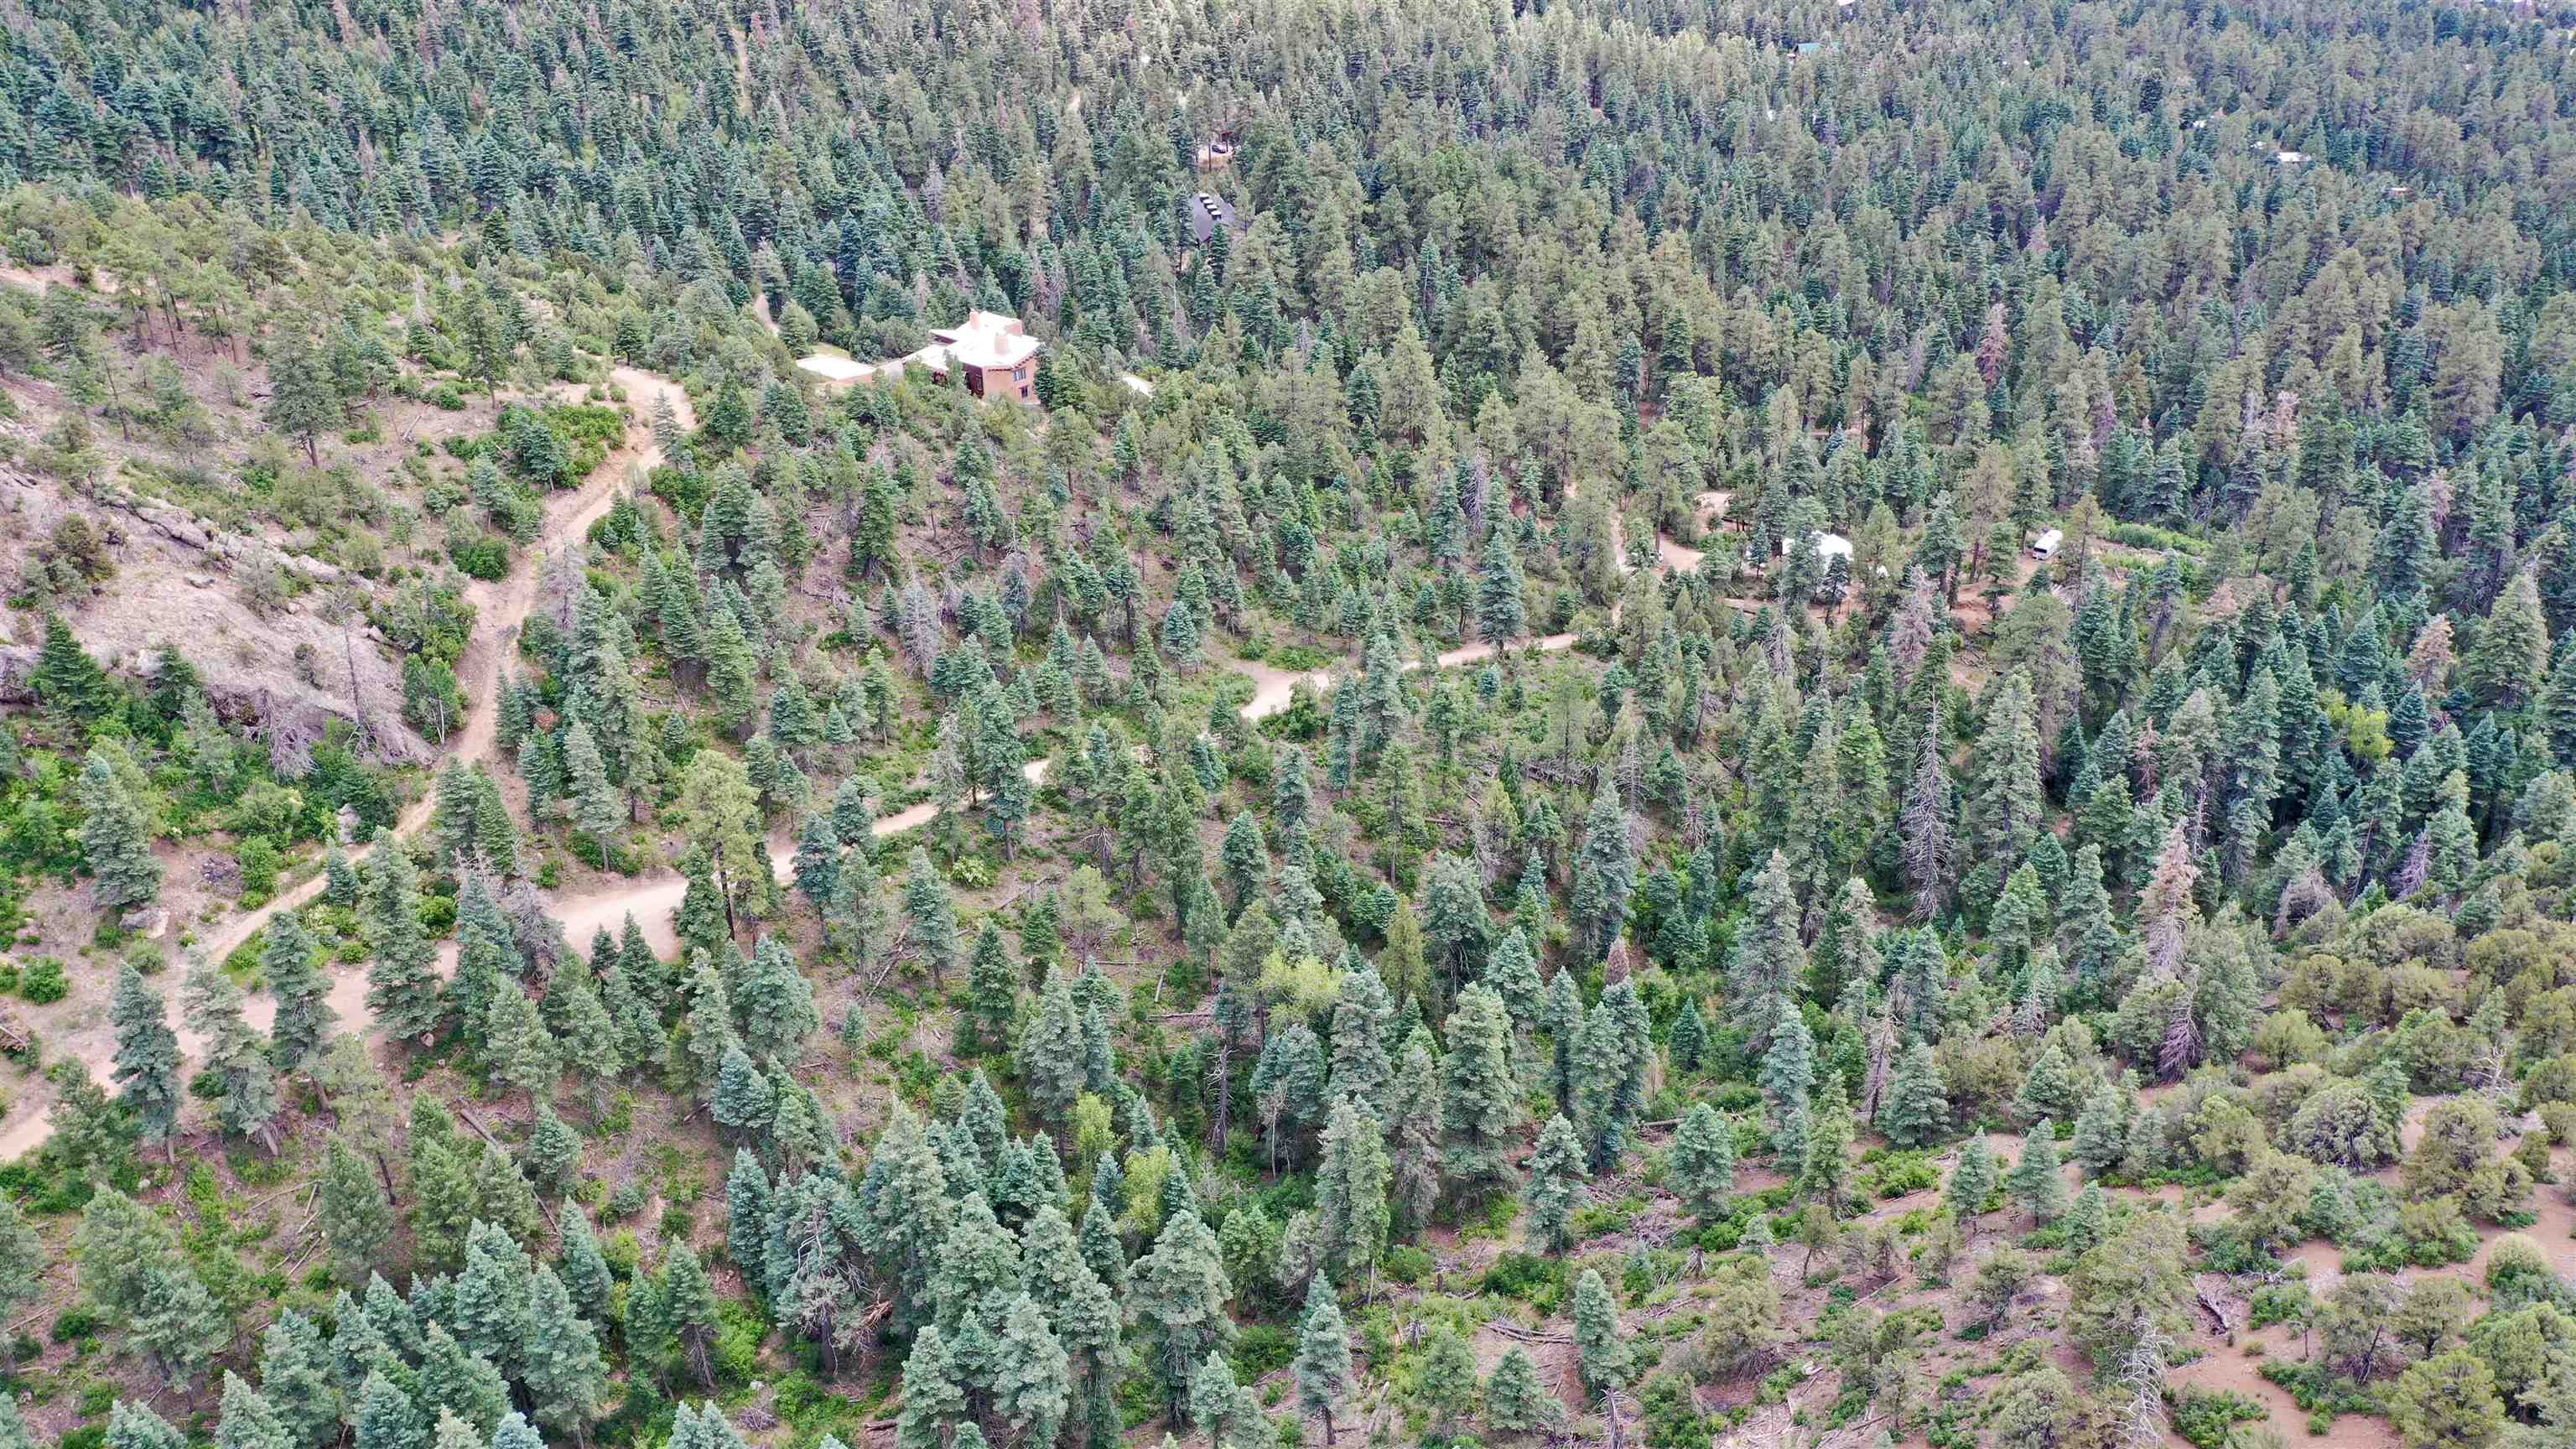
(1020, 373)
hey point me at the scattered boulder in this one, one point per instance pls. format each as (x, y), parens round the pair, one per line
(221, 873)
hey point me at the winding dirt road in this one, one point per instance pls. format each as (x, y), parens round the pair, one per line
(502, 608)
(652, 903)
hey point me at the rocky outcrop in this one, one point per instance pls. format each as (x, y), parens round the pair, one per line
(284, 676)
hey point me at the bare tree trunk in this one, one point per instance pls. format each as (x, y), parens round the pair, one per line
(724, 887)
(357, 700)
(1224, 1089)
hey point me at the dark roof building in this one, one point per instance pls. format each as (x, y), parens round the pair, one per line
(1209, 211)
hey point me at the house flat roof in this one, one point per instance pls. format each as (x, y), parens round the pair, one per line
(986, 339)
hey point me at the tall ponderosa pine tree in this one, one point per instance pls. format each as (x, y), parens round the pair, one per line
(1180, 1292)
(1615, 1053)
(1482, 1102)
(115, 835)
(403, 989)
(1556, 1184)
(1703, 1163)
(1916, 1111)
(305, 1018)
(148, 1072)
(1325, 1381)
(1352, 1213)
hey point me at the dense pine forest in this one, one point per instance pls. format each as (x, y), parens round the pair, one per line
(1717, 726)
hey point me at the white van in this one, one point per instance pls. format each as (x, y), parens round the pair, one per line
(2046, 543)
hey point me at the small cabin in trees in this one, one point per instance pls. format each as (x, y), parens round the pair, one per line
(1209, 211)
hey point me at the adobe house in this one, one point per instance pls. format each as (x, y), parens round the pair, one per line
(1000, 359)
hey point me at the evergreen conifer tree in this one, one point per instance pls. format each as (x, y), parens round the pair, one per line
(66, 680)
(1352, 1212)
(403, 989)
(1556, 1181)
(147, 1056)
(248, 1419)
(1972, 1181)
(387, 1418)
(1917, 1110)
(994, 986)
(1601, 1348)
(1703, 1164)
(584, 1268)
(357, 1220)
(2034, 1181)
(1616, 1051)
(565, 1375)
(305, 1018)
(116, 837)
(1180, 1292)
(1482, 1103)
(1562, 1015)
(933, 917)
(1688, 1039)
(295, 1373)
(1516, 1401)
(2101, 1132)
(1325, 1381)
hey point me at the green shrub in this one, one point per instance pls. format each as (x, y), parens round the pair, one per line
(1527, 1277)
(2317, 1389)
(260, 863)
(44, 981)
(2204, 1416)
(737, 1350)
(624, 1254)
(486, 558)
(2278, 1303)
(2148, 536)
(1407, 1264)
(1262, 1349)
(1602, 1219)
(1900, 1173)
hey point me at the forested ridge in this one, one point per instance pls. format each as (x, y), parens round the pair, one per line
(1759, 725)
